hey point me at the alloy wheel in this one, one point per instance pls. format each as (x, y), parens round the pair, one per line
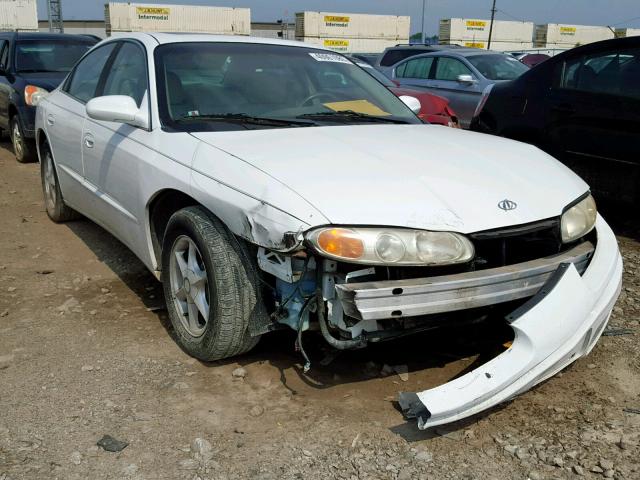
(49, 182)
(189, 285)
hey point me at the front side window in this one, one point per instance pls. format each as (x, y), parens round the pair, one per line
(202, 84)
(49, 55)
(84, 79)
(416, 68)
(128, 73)
(613, 73)
(498, 66)
(450, 68)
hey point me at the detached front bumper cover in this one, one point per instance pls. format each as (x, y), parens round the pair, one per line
(561, 323)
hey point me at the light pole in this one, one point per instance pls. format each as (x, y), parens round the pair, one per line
(493, 14)
(422, 25)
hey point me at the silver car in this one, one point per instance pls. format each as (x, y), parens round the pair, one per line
(459, 75)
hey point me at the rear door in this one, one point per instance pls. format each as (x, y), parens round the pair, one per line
(463, 96)
(5, 85)
(593, 119)
(64, 116)
(415, 72)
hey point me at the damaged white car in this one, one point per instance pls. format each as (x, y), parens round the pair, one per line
(271, 184)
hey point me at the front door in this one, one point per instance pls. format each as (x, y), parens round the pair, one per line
(113, 153)
(592, 120)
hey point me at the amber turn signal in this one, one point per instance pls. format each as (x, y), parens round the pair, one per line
(341, 242)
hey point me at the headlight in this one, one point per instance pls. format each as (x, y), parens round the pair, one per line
(33, 94)
(578, 219)
(391, 246)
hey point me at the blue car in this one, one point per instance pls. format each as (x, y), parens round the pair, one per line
(31, 65)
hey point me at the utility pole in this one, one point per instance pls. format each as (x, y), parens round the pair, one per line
(493, 14)
(424, 38)
(54, 8)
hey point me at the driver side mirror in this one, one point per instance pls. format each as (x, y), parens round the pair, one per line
(465, 78)
(412, 102)
(118, 108)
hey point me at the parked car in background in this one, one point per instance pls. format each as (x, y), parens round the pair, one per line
(460, 75)
(433, 109)
(393, 55)
(583, 107)
(272, 184)
(369, 58)
(31, 65)
(532, 59)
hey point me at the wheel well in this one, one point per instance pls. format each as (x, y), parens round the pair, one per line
(163, 205)
(12, 111)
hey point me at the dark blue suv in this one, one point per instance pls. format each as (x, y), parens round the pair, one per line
(31, 65)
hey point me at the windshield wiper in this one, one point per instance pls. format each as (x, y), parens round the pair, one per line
(243, 118)
(349, 115)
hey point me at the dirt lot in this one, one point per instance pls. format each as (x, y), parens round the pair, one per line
(84, 352)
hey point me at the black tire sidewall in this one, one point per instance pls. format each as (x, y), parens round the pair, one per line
(183, 223)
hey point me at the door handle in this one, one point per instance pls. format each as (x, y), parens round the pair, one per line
(88, 141)
(50, 120)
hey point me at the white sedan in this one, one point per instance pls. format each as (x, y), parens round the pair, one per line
(273, 184)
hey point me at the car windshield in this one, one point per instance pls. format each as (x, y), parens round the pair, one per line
(50, 55)
(228, 86)
(498, 66)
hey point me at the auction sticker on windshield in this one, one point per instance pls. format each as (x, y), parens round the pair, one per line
(359, 106)
(329, 57)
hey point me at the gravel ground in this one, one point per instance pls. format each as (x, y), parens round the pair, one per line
(86, 352)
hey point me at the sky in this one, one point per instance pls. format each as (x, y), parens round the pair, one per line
(615, 13)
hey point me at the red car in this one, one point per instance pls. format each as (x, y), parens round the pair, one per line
(434, 109)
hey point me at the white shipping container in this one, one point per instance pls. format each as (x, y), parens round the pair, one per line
(498, 46)
(555, 35)
(351, 45)
(352, 25)
(627, 32)
(18, 15)
(139, 17)
(461, 30)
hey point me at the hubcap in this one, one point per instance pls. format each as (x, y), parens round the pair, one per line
(189, 285)
(49, 182)
(17, 140)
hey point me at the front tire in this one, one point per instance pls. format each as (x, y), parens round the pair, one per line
(22, 148)
(210, 285)
(57, 210)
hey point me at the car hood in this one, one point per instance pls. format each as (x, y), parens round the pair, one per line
(46, 80)
(415, 176)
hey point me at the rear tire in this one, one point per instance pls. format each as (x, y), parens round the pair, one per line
(57, 210)
(23, 149)
(210, 285)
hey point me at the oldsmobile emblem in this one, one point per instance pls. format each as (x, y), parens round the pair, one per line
(507, 205)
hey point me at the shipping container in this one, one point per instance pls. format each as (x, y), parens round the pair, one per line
(498, 46)
(351, 25)
(351, 45)
(139, 17)
(555, 35)
(627, 32)
(18, 15)
(471, 32)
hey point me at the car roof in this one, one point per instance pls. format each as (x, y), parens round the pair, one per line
(165, 38)
(46, 36)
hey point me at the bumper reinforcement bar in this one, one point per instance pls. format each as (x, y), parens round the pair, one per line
(424, 296)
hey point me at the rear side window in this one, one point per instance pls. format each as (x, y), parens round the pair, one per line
(85, 77)
(394, 56)
(415, 68)
(612, 73)
(4, 53)
(128, 73)
(450, 68)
